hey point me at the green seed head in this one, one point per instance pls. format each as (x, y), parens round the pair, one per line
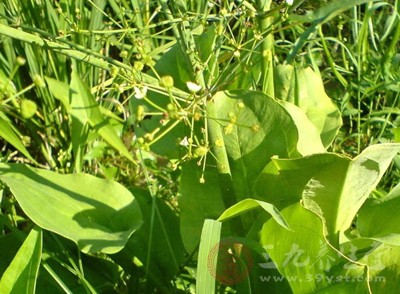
(28, 108)
(167, 82)
(21, 61)
(38, 81)
(200, 151)
(123, 54)
(140, 113)
(138, 66)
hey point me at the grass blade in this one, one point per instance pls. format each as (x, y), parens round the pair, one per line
(210, 235)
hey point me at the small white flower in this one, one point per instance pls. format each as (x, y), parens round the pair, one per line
(184, 142)
(193, 87)
(140, 92)
(289, 2)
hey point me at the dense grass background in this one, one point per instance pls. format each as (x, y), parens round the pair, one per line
(115, 47)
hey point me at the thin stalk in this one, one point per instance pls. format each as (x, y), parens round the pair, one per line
(331, 63)
(267, 49)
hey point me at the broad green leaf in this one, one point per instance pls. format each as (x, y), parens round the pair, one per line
(173, 63)
(20, 276)
(337, 192)
(198, 202)
(379, 219)
(383, 264)
(157, 243)
(210, 236)
(97, 214)
(282, 181)
(250, 204)
(8, 134)
(301, 254)
(307, 131)
(333, 186)
(256, 127)
(86, 110)
(261, 279)
(304, 88)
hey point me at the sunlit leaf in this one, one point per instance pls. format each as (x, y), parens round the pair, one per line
(379, 219)
(250, 204)
(97, 214)
(301, 254)
(304, 88)
(9, 135)
(20, 276)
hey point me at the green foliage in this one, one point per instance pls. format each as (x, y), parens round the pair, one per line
(304, 88)
(139, 140)
(97, 214)
(22, 273)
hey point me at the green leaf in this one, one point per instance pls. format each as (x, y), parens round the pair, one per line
(157, 244)
(332, 186)
(282, 181)
(311, 265)
(379, 219)
(254, 124)
(337, 192)
(301, 254)
(309, 142)
(256, 127)
(210, 236)
(97, 214)
(173, 64)
(250, 204)
(60, 91)
(377, 269)
(20, 276)
(86, 110)
(198, 202)
(304, 88)
(9, 245)
(7, 133)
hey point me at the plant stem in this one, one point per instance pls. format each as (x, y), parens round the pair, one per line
(267, 49)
